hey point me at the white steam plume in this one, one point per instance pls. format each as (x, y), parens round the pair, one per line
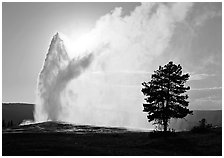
(108, 91)
(58, 70)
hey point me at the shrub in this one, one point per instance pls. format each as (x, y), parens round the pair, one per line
(203, 127)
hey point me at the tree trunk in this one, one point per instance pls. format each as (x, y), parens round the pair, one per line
(165, 125)
(165, 117)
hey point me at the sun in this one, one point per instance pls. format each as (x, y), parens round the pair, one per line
(78, 46)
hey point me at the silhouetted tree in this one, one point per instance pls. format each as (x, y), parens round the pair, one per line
(164, 95)
(202, 123)
(11, 123)
(202, 127)
(8, 124)
(3, 124)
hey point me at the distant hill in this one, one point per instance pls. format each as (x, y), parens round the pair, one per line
(17, 112)
(213, 117)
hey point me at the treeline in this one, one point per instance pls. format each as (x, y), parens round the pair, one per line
(9, 124)
(17, 112)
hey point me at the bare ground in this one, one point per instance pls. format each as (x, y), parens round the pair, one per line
(112, 144)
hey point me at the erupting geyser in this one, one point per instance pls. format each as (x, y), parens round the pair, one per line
(58, 70)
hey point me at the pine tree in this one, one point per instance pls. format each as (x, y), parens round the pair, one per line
(164, 95)
(3, 124)
(11, 123)
(8, 124)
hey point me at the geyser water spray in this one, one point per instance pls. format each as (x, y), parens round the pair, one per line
(58, 70)
(102, 86)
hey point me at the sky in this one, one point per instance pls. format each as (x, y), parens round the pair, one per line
(193, 39)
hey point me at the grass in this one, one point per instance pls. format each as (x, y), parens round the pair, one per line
(128, 144)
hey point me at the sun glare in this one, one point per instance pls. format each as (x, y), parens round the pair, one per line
(79, 46)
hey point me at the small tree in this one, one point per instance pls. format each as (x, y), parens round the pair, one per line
(8, 124)
(202, 127)
(202, 123)
(11, 123)
(3, 124)
(164, 95)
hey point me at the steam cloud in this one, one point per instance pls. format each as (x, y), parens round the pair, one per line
(103, 87)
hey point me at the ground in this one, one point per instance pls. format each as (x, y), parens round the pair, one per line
(120, 142)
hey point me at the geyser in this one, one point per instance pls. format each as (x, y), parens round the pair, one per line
(102, 86)
(58, 70)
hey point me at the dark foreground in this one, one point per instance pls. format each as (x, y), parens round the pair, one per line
(111, 143)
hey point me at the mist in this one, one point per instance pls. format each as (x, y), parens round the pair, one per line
(100, 83)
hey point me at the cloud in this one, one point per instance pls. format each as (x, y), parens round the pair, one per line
(198, 93)
(200, 76)
(206, 98)
(200, 20)
(136, 39)
(199, 48)
(211, 88)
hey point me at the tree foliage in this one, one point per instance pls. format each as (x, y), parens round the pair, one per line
(164, 95)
